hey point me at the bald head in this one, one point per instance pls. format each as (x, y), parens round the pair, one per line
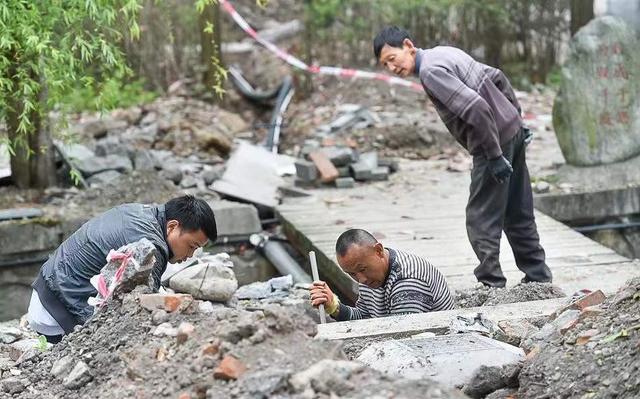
(353, 237)
(362, 257)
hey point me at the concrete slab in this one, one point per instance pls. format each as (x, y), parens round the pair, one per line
(437, 322)
(448, 359)
(234, 219)
(254, 175)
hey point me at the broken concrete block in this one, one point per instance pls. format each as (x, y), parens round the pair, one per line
(344, 171)
(484, 381)
(340, 156)
(306, 171)
(185, 330)
(591, 299)
(175, 175)
(229, 369)
(145, 160)
(283, 283)
(370, 159)
(392, 164)
(380, 173)
(62, 366)
(17, 348)
(167, 302)
(9, 334)
(449, 359)
(361, 171)
(102, 178)
(514, 331)
(257, 290)
(13, 385)
(591, 311)
(325, 376)
(165, 329)
(91, 166)
(140, 260)
(212, 280)
(78, 377)
(234, 219)
(328, 172)
(345, 182)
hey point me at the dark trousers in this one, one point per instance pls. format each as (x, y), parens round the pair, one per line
(494, 207)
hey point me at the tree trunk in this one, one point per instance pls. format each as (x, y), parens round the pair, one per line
(210, 43)
(32, 163)
(581, 14)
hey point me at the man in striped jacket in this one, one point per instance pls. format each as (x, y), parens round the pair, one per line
(390, 281)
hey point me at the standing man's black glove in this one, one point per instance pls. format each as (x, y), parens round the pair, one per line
(500, 168)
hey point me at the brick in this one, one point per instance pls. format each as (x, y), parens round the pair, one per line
(586, 336)
(361, 171)
(168, 302)
(328, 172)
(185, 330)
(229, 369)
(594, 298)
(591, 311)
(345, 182)
(211, 349)
(380, 173)
(340, 156)
(184, 395)
(306, 171)
(391, 163)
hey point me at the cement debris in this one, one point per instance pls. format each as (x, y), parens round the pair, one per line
(230, 352)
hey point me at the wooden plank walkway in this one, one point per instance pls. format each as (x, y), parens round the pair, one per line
(430, 222)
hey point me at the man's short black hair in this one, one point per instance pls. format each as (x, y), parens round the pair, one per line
(391, 35)
(193, 214)
(353, 237)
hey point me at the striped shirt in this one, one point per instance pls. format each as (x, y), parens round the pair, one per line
(413, 286)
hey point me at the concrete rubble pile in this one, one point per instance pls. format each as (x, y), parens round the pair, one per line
(151, 345)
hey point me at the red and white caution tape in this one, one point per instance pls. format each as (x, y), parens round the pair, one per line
(100, 283)
(322, 70)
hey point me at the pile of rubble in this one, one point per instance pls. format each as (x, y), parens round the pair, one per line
(341, 166)
(174, 345)
(183, 140)
(481, 295)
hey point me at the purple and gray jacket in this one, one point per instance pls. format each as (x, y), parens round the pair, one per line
(475, 101)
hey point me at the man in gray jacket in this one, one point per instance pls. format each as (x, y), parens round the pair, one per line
(479, 107)
(62, 288)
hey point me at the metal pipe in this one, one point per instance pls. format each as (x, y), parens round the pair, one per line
(280, 258)
(608, 226)
(285, 94)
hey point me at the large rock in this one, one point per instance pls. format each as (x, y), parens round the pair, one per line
(92, 166)
(212, 279)
(596, 114)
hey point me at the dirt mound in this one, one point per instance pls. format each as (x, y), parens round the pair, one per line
(128, 352)
(488, 296)
(597, 358)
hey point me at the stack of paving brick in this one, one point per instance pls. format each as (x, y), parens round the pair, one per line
(341, 166)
